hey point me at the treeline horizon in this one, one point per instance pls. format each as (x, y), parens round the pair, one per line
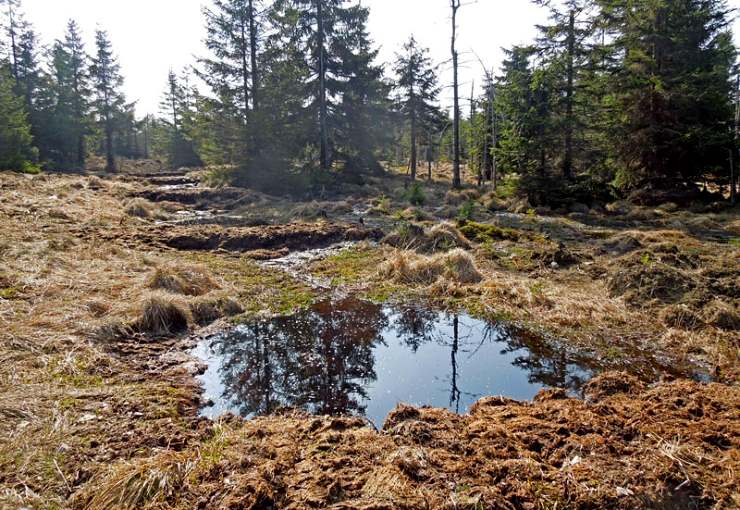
(612, 96)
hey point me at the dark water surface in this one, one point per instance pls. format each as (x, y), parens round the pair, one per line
(355, 357)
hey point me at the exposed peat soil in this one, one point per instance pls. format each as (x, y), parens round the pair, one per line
(108, 284)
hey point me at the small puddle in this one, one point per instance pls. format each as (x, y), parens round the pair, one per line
(354, 357)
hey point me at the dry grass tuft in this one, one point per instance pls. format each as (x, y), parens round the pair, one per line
(441, 237)
(445, 236)
(722, 315)
(136, 485)
(457, 197)
(680, 316)
(190, 280)
(456, 266)
(163, 314)
(98, 308)
(113, 331)
(59, 214)
(206, 310)
(139, 208)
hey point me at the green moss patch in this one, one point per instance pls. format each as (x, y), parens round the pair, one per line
(484, 232)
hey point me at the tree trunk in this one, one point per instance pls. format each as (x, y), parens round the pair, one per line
(430, 156)
(13, 47)
(245, 68)
(81, 150)
(456, 182)
(146, 137)
(110, 165)
(324, 149)
(253, 56)
(173, 92)
(414, 156)
(569, 121)
(735, 151)
(494, 141)
(79, 121)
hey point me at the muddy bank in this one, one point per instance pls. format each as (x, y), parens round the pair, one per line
(670, 447)
(200, 198)
(294, 236)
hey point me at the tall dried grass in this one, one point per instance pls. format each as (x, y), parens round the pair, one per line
(190, 280)
(133, 485)
(162, 313)
(457, 266)
(139, 208)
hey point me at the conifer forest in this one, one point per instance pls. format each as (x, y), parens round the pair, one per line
(319, 277)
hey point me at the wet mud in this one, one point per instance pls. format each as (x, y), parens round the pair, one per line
(264, 239)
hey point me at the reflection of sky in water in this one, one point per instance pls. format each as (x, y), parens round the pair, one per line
(408, 355)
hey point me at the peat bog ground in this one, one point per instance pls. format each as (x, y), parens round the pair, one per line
(608, 337)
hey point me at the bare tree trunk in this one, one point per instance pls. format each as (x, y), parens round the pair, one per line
(734, 152)
(414, 156)
(568, 160)
(253, 56)
(324, 150)
(456, 182)
(494, 141)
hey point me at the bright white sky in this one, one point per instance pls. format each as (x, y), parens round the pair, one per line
(152, 36)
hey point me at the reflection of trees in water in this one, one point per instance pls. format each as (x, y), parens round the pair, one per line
(415, 326)
(547, 364)
(320, 360)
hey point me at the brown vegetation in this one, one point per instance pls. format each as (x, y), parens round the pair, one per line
(187, 279)
(113, 424)
(557, 452)
(439, 237)
(456, 266)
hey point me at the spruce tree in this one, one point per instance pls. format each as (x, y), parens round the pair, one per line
(177, 107)
(232, 70)
(514, 101)
(12, 25)
(78, 75)
(417, 81)
(670, 64)
(16, 149)
(27, 68)
(109, 101)
(565, 45)
(345, 92)
(61, 105)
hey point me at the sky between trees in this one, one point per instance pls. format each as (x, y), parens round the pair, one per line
(177, 27)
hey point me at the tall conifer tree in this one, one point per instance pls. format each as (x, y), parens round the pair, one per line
(109, 101)
(417, 80)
